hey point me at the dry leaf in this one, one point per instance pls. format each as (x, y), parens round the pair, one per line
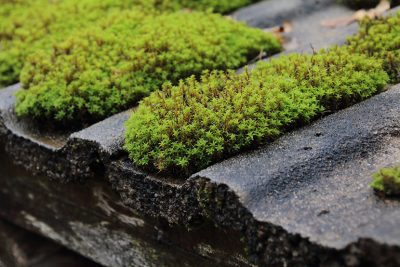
(279, 30)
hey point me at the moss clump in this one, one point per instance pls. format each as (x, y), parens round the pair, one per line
(99, 72)
(19, 26)
(7, 6)
(187, 127)
(387, 181)
(380, 38)
(32, 25)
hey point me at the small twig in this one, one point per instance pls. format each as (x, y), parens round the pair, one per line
(313, 49)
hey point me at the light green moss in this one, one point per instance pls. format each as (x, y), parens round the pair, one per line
(40, 24)
(187, 127)
(99, 72)
(7, 6)
(380, 38)
(29, 25)
(387, 181)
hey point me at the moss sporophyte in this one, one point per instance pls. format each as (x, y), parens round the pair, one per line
(187, 127)
(380, 38)
(190, 126)
(98, 72)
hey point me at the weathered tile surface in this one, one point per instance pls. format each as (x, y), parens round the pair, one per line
(315, 181)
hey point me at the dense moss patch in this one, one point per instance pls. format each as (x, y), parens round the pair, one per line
(187, 127)
(7, 6)
(29, 25)
(34, 25)
(380, 38)
(387, 181)
(98, 72)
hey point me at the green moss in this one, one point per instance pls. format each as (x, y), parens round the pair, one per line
(187, 127)
(99, 72)
(380, 38)
(387, 181)
(29, 25)
(37, 25)
(7, 6)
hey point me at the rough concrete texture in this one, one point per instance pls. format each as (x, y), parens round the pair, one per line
(303, 200)
(270, 13)
(107, 134)
(306, 17)
(90, 219)
(323, 172)
(314, 181)
(158, 197)
(64, 156)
